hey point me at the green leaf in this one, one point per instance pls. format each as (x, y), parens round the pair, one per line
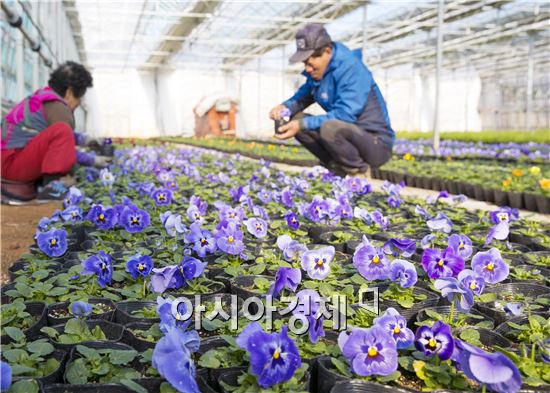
(50, 332)
(40, 348)
(122, 357)
(19, 369)
(388, 378)
(326, 289)
(24, 386)
(88, 353)
(165, 387)
(405, 303)
(133, 386)
(77, 372)
(209, 359)
(75, 326)
(341, 366)
(14, 355)
(15, 334)
(51, 365)
(471, 336)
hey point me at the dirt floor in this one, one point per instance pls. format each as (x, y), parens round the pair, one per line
(18, 225)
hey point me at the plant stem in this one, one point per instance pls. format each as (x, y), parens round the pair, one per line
(451, 314)
(533, 346)
(484, 389)
(144, 288)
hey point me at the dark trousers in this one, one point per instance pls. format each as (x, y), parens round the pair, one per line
(344, 144)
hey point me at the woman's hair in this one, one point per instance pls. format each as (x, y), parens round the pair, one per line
(73, 75)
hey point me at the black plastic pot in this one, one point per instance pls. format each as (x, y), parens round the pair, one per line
(316, 231)
(124, 311)
(452, 187)
(358, 386)
(36, 310)
(107, 150)
(212, 375)
(108, 315)
(530, 201)
(21, 267)
(445, 310)
(112, 331)
(240, 285)
(489, 195)
(326, 376)
(543, 204)
(54, 377)
(501, 198)
(479, 193)
(515, 199)
(526, 289)
(129, 338)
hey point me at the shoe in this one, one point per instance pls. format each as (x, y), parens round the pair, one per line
(17, 192)
(335, 168)
(53, 191)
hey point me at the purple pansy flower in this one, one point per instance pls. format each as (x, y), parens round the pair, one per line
(73, 197)
(273, 357)
(317, 262)
(230, 214)
(455, 291)
(173, 313)
(380, 220)
(134, 219)
(292, 220)
(370, 351)
(513, 309)
(172, 223)
(72, 213)
(102, 217)
(163, 279)
(202, 240)
(194, 214)
(171, 185)
(292, 250)
(230, 239)
(440, 223)
(461, 244)
(436, 340)
(439, 263)
(318, 209)
(404, 271)
(499, 231)
(371, 262)
(494, 370)
(490, 266)
(172, 359)
(286, 277)
(256, 227)
(5, 376)
(188, 269)
(139, 265)
(81, 309)
(427, 241)
(162, 196)
(400, 247)
(396, 326)
(53, 243)
(100, 265)
(504, 214)
(286, 198)
(469, 279)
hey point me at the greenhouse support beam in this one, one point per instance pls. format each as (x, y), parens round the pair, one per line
(364, 46)
(439, 62)
(530, 72)
(16, 21)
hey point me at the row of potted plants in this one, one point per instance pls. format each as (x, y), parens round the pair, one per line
(106, 294)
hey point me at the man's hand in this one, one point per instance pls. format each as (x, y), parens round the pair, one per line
(102, 161)
(289, 130)
(275, 113)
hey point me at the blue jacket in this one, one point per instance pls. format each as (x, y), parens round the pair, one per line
(347, 92)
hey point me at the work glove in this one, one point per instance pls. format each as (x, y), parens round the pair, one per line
(102, 161)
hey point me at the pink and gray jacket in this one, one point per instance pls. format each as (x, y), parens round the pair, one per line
(27, 119)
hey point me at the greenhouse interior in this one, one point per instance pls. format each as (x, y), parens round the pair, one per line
(252, 196)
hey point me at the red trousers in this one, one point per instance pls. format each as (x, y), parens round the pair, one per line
(51, 152)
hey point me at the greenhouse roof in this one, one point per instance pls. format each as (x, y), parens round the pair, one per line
(489, 35)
